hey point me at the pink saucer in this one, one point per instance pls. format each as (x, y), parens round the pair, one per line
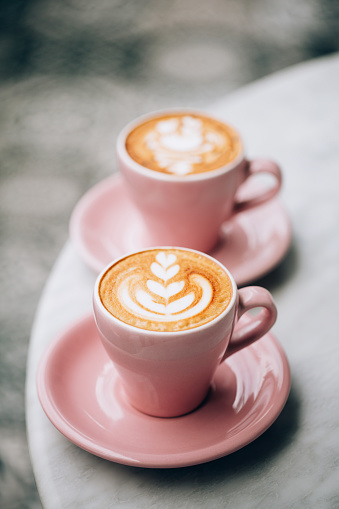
(81, 394)
(105, 225)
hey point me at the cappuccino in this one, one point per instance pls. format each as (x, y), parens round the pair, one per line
(183, 143)
(166, 290)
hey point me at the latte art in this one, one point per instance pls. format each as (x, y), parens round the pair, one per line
(165, 290)
(183, 144)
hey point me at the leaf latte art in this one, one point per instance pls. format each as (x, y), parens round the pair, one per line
(166, 290)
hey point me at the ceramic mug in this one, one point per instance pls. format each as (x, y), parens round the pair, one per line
(189, 210)
(168, 374)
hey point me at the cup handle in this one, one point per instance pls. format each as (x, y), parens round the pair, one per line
(253, 168)
(256, 326)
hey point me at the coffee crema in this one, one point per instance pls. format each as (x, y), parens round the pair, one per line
(183, 144)
(165, 290)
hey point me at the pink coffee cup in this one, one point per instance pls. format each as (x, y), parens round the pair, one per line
(189, 210)
(168, 374)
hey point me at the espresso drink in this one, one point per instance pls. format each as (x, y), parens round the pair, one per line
(166, 290)
(183, 144)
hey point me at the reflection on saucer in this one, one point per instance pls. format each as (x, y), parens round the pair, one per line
(82, 395)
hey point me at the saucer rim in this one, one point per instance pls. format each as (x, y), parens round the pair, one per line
(152, 460)
(103, 186)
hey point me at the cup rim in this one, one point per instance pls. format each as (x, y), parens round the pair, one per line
(193, 330)
(156, 175)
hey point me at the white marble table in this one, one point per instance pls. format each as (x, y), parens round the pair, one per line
(293, 117)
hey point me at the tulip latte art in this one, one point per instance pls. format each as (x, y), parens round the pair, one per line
(183, 144)
(166, 290)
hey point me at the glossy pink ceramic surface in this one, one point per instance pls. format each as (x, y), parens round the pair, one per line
(105, 225)
(189, 211)
(167, 374)
(82, 396)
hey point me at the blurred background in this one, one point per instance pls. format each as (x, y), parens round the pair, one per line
(72, 74)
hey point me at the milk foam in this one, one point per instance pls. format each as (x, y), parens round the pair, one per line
(165, 291)
(182, 144)
(142, 303)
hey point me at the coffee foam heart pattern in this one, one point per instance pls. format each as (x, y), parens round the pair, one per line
(182, 143)
(172, 140)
